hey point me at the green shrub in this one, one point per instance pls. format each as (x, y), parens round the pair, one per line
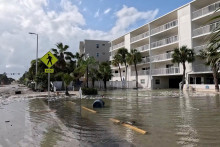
(89, 91)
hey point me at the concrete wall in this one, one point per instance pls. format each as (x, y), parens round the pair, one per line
(90, 47)
(164, 83)
(185, 31)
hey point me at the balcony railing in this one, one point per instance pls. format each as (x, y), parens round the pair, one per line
(141, 36)
(164, 41)
(143, 48)
(161, 57)
(165, 27)
(197, 49)
(206, 29)
(206, 10)
(118, 45)
(201, 68)
(141, 72)
(118, 74)
(166, 71)
(145, 60)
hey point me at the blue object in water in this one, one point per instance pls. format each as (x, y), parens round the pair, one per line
(98, 104)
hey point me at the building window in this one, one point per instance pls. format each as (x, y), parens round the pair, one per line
(142, 81)
(116, 71)
(97, 45)
(97, 54)
(103, 44)
(157, 81)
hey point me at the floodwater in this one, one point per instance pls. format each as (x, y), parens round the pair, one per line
(171, 118)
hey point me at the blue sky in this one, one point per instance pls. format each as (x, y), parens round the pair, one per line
(69, 22)
(105, 22)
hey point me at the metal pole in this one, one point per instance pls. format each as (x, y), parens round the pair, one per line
(48, 87)
(36, 63)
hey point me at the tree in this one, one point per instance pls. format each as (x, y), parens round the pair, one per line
(105, 72)
(123, 53)
(67, 78)
(133, 58)
(60, 53)
(84, 68)
(211, 57)
(183, 55)
(116, 62)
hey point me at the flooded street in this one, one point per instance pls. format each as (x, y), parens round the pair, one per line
(171, 118)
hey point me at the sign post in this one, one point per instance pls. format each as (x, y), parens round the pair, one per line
(49, 60)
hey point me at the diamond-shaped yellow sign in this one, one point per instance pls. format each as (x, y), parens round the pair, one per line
(49, 59)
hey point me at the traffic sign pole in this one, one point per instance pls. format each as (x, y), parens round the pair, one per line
(48, 87)
(49, 60)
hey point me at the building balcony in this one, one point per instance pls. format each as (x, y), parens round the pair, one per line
(143, 48)
(139, 37)
(206, 10)
(206, 29)
(118, 74)
(117, 46)
(165, 41)
(164, 27)
(145, 60)
(141, 73)
(162, 57)
(197, 49)
(201, 68)
(166, 71)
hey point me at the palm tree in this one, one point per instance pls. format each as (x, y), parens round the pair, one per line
(211, 57)
(123, 53)
(116, 62)
(84, 68)
(105, 72)
(67, 78)
(183, 55)
(60, 54)
(133, 58)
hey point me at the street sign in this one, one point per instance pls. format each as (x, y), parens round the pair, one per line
(49, 70)
(49, 59)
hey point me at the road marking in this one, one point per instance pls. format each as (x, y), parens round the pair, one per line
(129, 126)
(90, 110)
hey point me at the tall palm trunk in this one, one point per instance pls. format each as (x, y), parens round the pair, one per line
(119, 71)
(215, 76)
(184, 72)
(67, 93)
(126, 69)
(135, 66)
(104, 80)
(87, 76)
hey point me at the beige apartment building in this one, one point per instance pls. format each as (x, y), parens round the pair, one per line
(187, 25)
(99, 49)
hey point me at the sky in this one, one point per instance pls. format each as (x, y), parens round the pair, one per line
(67, 21)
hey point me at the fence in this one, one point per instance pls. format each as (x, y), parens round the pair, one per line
(114, 84)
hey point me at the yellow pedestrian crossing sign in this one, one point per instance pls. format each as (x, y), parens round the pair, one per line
(49, 59)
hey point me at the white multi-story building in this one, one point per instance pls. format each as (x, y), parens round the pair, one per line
(187, 25)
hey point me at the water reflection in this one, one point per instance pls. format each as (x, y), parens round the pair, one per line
(172, 118)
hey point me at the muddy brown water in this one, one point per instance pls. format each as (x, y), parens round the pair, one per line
(171, 118)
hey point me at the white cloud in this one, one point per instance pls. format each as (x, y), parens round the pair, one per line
(97, 13)
(107, 11)
(18, 18)
(128, 16)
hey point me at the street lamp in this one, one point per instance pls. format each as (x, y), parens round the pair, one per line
(36, 57)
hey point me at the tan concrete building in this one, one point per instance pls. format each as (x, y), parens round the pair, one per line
(98, 49)
(187, 25)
